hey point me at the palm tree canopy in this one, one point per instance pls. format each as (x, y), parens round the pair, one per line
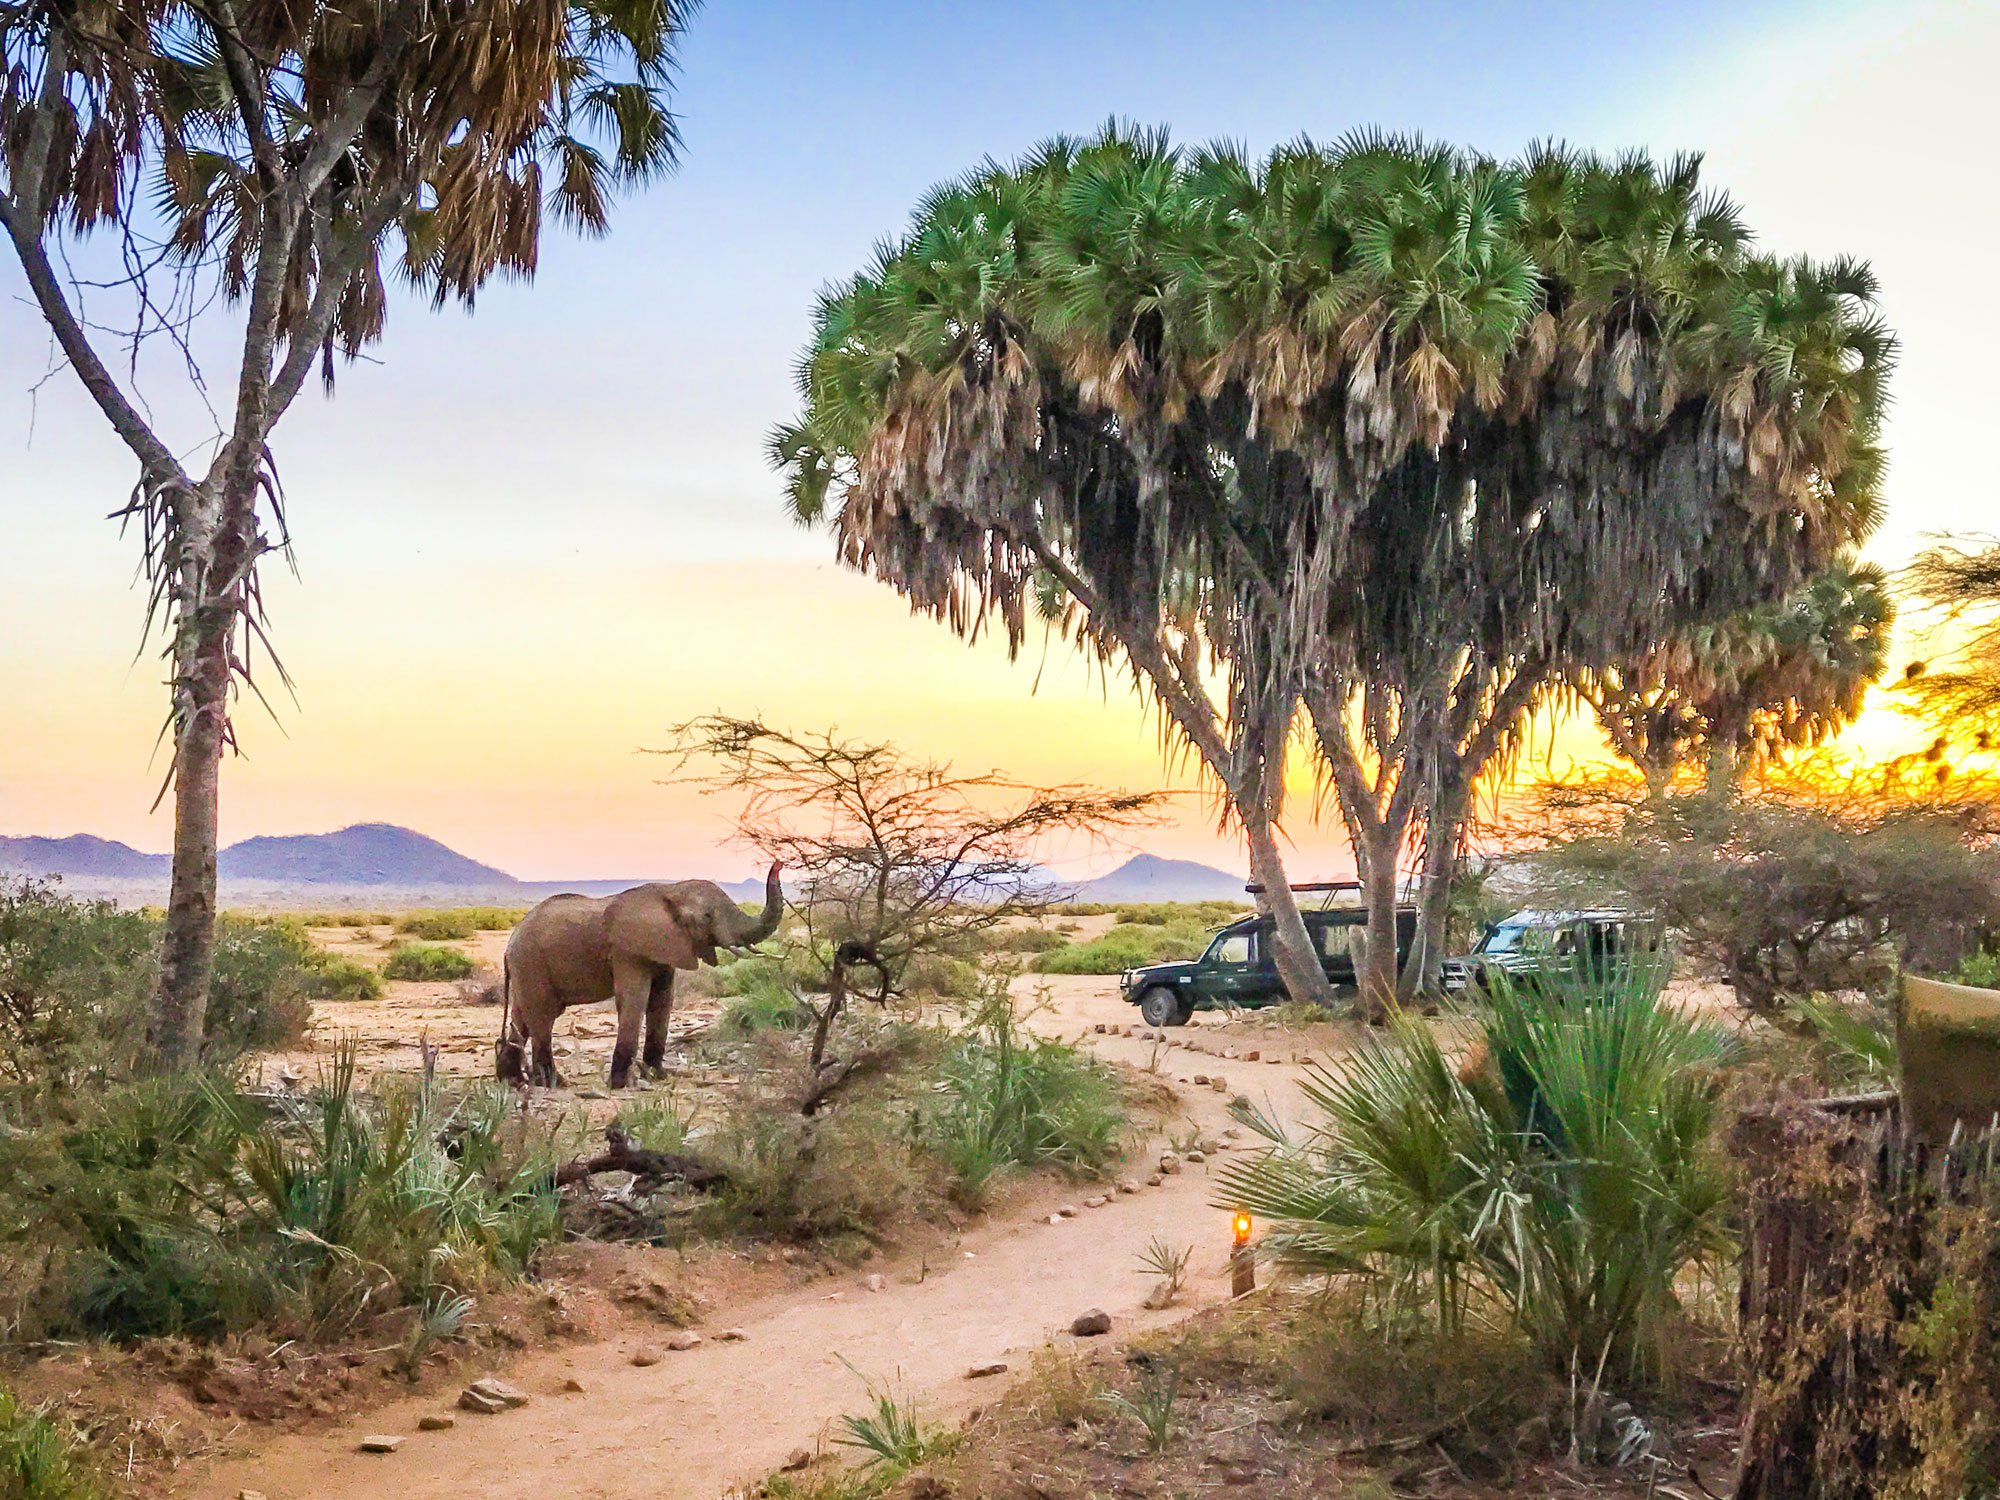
(1359, 402)
(453, 123)
(1789, 674)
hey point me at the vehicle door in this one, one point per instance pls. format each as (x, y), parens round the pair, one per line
(1335, 943)
(1226, 969)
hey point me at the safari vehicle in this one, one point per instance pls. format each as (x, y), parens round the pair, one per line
(1529, 941)
(1238, 969)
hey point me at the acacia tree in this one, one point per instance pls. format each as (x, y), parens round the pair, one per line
(1388, 427)
(1963, 698)
(899, 861)
(1731, 694)
(284, 156)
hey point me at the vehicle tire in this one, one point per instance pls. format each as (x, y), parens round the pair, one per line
(1160, 1006)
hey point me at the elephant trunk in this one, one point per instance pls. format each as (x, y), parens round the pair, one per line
(755, 929)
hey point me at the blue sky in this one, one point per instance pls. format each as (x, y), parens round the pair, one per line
(531, 538)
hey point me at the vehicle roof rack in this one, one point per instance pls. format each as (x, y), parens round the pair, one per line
(1256, 889)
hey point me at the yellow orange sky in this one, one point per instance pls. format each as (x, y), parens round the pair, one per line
(533, 539)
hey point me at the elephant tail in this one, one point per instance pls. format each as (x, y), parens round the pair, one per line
(509, 1056)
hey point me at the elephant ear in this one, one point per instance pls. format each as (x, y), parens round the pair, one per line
(695, 919)
(647, 923)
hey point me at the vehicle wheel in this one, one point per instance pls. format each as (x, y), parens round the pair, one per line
(1160, 1006)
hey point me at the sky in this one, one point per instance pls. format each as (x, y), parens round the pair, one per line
(531, 539)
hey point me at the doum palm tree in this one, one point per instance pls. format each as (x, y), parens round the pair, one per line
(1385, 429)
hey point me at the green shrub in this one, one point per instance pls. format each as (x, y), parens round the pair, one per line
(1022, 940)
(1567, 1184)
(1203, 914)
(655, 1124)
(1010, 1100)
(76, 978)
(427, 961)
(173, 1207)
(1981, 969)
(1126, 947)
(38, 1461)
(459, 922)
(337, 978)
(438, 926)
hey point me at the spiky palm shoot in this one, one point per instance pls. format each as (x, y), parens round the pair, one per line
(1564, 1185)
(1338, 418)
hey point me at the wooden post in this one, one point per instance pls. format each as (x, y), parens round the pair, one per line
(1242, 1260)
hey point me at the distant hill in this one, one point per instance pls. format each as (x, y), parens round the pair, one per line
(365, 854)
(1147, 877)
(80, 854)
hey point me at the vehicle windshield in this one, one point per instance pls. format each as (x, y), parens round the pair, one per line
(1505, 938)
(1230, 948)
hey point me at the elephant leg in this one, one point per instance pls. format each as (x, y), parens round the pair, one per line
(632, 981)
(544, 1070)
(659, 1011)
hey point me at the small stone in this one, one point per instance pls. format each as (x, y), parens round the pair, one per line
(1170, 1164)
(1195, 1158)
(1220, 1085)
(471, 1400)
(1100, 1028)
(1067, 1211)
(1252, 1055)
(799, 1458)
(1155, 1180)
(592, 1094)
(380, 1442)
(1097, 1202)
(1275, 1061)
(1229, 1054)
(249, 1495)
(574, 1387)
(646, 1355)
(876, 1282)
(731, 1336)
(1127, 1186)
(1231, 1133)
(980, 1372)
(1162, 1295)
(436, 1422)
(499, 1390)
(1200, 1080)
(683, 1341)
(1055, 1218)
(1092, 1323)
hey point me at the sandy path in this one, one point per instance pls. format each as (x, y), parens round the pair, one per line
(716, 1416)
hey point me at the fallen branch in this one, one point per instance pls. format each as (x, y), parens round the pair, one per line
(656, 1166)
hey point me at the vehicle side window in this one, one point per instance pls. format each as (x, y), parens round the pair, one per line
(1333, 940)
(1233, 949)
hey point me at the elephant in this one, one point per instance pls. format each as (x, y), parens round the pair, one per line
(576, 950)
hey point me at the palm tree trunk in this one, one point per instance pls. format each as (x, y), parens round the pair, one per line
(187, 950)
(1433, 900)
(1291, 946)
(1375, 964)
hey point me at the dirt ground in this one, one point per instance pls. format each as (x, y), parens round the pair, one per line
(808, 1344)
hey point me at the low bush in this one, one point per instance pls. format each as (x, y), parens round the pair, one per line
(1125, 947)
(337, 978)
(428, 961)
(1022, 940)
(1564, 1183)
(175, 1207)
(1203, 914)
(459, 923)
(76, 978)
(38, 1460)
(1009, 1100)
